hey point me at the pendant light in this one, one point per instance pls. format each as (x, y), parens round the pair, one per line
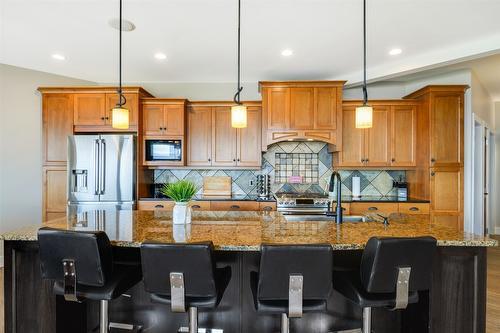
(120, 115)
(239, 111)
(364, 113)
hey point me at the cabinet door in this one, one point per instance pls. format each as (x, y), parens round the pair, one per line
(325, 108)
(446, 190)
(54, 190)
(301, 108)
(199, 136)
(278, 108)
(403, 136)
(153, 119)
(352, 153)
(249, 141)
(132, 104)
(90, 109)
(57, 125)
(174, 119)
(223, 138)
(446, 130)
(377, 138)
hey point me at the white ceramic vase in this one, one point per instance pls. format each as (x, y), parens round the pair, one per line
(181, 213)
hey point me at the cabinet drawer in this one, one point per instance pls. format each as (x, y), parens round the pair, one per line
(346, 207)
(200, 205)
(358, 208)
(414, 208)
(234, 205)
(267, 206)
(155, 205)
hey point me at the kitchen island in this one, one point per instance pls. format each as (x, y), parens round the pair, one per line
(456, 302)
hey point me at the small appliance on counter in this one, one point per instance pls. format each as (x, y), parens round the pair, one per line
(263, 186)
(402, 189)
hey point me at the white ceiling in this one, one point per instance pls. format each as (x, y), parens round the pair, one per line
(199, 37)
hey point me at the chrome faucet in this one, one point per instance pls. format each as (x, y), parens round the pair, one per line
(338, 208)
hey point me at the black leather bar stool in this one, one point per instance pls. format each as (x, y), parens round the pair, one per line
(392, 272)
(292, 280)
(184, 276)
(81, 264)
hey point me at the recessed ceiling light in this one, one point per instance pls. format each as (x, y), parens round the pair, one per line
(58, 56)
(395, 51)
(160, 56)
(126, 24)
(286, 52)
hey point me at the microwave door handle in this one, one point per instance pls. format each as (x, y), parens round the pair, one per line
(96, 167)
(102, 176)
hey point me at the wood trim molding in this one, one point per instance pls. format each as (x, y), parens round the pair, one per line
(288, 84)
(93, 90)
(170, 101)
(222, 103)
(459, 88)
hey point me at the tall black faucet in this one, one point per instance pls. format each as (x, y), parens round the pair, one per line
(338, 208)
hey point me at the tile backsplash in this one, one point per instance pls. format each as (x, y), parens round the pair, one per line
(309, 160)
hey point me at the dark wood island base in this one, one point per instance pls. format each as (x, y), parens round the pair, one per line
(455, 304)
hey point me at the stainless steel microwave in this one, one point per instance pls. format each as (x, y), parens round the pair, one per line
(163, 150)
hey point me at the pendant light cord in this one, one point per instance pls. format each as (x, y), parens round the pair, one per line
(365, 92)
(238, 88)
(121, 98)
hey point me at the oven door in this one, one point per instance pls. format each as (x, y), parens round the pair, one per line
(163, 150)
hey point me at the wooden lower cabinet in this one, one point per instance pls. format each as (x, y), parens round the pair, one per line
(446, 185)
(360, 208)
(54, 192)
(229, 205)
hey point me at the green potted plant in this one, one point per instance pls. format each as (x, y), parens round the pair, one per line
(181, 192)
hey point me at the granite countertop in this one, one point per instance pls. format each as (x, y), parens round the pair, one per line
(381, 198)
(234, 197)
(246, 231)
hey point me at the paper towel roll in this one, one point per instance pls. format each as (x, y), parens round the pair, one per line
(356, 187)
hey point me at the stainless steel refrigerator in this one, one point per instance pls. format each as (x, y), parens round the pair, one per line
(101, 178)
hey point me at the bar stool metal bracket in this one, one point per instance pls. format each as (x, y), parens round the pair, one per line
(402, 286)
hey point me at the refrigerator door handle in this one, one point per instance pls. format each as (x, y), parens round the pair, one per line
(96, 167)
(102, 173)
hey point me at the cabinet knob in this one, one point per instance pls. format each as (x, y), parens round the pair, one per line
(433, 173)
(393, 160)
(234, 160)
(366, 160)
(362, 160)
(102, 118)
(238, 159)
(107, 118)
(433, 160)
(209, 159)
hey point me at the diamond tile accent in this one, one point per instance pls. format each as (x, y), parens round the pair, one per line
(308, 159)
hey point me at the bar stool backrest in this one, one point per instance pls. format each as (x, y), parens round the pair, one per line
(278, 262)
(383, 257)
(91, 252)
(194, 261)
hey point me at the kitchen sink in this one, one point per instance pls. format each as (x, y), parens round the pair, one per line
(322, 218)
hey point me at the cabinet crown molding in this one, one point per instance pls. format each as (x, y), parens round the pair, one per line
(458, 88)
(93, 90)
(305, 83)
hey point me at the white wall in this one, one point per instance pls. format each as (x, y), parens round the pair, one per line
(482, 103)
(20, 144)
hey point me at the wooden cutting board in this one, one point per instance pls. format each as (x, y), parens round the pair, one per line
(217, 186)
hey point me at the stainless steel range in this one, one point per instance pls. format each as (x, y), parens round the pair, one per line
(290, 203)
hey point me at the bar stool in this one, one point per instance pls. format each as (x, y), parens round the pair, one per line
(292, 280)
(392, 271)
(184, 276)
(81, 265)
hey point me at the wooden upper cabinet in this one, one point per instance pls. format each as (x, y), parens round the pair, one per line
(131, 103)
(353, 140)
(249, 140)
(174, 119)
(90, 109)
(403, 136)
(57, 115)
(302, 108)
(446, 115)
(325, 108)
(199, 137)
(278, 104)
(223, 138)
(153, 120)
(377, 138)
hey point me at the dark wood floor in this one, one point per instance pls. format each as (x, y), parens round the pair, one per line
(493, 312)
